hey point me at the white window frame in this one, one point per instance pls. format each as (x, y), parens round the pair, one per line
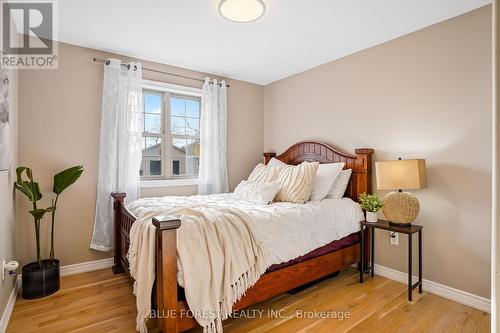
(167, 179)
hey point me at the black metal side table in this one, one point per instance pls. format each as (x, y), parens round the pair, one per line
(385, 225)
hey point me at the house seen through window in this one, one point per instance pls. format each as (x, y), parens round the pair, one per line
(171, 146)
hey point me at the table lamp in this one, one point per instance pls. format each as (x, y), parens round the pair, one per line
(401, 208)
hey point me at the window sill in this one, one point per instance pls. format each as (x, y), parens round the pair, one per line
(169, 182)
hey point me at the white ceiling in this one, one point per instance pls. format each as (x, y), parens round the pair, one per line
(293, 35)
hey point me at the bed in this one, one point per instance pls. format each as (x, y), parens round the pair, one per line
(283, 275)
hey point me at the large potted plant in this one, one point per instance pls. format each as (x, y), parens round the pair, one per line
(41, 278)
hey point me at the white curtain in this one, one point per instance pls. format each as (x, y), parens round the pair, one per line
(213, 132)
(120, 149)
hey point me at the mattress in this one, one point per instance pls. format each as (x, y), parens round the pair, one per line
(287, 230)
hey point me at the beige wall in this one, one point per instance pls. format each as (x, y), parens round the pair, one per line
(426, 95)
(8, 226)
(59, 118)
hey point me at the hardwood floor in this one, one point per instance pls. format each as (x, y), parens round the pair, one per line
(103, 302)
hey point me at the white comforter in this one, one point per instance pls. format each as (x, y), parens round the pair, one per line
(287, 230)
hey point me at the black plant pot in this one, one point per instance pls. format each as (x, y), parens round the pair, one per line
(40, 281)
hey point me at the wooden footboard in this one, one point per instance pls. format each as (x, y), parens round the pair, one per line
(165, 290)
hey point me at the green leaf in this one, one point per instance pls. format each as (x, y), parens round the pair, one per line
(19, 173)
(38, 194)
(65, 178)
(38, 213)
(27, 189)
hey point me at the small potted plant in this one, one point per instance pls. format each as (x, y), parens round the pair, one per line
(41, 278)
(371, 203)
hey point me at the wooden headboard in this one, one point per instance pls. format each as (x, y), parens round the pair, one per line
(360, 162)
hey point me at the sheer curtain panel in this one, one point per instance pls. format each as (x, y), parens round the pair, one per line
(120, 148)
(213, 132)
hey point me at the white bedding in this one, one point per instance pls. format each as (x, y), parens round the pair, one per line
(287, 230)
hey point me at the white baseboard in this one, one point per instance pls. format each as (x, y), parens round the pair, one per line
(88, 266)
(460, 296)
(83, 267)
(10, 305)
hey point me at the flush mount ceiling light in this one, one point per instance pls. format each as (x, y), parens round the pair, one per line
(242, 11)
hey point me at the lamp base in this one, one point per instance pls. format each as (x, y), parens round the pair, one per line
(400, 208)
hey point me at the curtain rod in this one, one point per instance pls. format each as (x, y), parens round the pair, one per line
(103, 61)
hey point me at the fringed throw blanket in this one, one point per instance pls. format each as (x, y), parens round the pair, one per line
(218, 259)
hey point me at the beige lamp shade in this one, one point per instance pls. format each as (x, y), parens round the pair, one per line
(401, 174)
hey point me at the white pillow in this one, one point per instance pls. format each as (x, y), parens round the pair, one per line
(259, 193)
(324, 180)
(340, 184)
(274, 162)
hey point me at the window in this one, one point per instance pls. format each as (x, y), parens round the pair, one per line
(171, 146)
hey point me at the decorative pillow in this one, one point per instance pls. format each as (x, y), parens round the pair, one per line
(297, 182)
(340, 184)
(263, 174)
(259, 193)
(274, 162)
(324, 180)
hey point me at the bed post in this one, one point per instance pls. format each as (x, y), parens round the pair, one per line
(166, 272)
(118, 199)
(363, 169)
(268, 156)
